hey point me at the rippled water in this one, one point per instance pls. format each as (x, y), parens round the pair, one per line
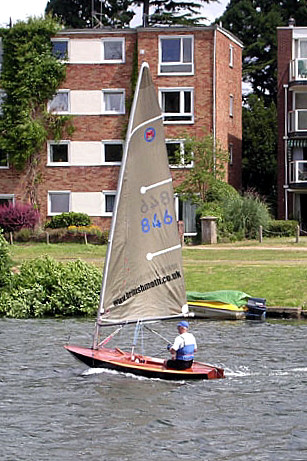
(52, 408)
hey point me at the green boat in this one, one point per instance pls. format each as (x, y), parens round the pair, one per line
(226, 305)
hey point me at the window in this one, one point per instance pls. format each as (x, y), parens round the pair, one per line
(60, 103)
(230, 152)
(177, 105)
(58, 202)
(186, 212)
(230, 55)
(176, 55)
(4, 161)
(113, 50)
(113, 101)
(112, 152)
(60, 49)
(231, 98)
(109, 200)
(176, 153)
(58, 152)
(5, 199)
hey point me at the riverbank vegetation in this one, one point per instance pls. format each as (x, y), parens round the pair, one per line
(66, 280)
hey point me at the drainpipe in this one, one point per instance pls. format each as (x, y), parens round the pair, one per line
(214, 101)
(286, 185)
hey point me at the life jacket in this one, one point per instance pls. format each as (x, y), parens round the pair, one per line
(186, 352)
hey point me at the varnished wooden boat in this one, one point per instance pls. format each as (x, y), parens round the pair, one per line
(150, 367)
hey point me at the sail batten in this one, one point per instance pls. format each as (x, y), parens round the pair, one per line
(135, 286)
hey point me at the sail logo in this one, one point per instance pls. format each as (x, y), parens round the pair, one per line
(149, 134)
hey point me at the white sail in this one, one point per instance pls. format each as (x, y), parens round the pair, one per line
(143, 275)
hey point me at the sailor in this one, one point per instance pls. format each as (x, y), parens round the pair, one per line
(183, 348)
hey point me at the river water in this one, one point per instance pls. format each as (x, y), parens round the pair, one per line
(53, 408)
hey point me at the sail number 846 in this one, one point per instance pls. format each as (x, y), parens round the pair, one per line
(156, 223)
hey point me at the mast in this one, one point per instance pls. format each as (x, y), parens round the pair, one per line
(115, 210)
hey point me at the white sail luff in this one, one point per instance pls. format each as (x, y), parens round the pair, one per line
(143, 221)
(115, 209)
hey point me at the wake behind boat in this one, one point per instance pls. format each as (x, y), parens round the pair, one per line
(143, 274)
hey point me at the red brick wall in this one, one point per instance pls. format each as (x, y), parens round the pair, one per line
(284, 55)
(98, 127)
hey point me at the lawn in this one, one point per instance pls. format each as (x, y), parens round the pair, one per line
(275, 270)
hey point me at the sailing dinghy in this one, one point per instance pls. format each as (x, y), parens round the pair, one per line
(143, 275)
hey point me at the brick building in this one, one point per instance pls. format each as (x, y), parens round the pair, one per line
(197, 72)
(292, 123)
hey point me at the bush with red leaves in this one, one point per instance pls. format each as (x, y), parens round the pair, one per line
(15, 216)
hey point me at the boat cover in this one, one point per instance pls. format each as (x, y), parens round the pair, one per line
(238, 298)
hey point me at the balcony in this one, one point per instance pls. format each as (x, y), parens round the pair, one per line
(298, 172)
(297, 120)
(298, 70)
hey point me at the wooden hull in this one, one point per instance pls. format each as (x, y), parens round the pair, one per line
(216, 310)
(150, 367)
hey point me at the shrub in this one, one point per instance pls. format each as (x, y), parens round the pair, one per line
(15, 216)
(281, 228)
(68, 219)
(5, 261)
(219, 191)
(244, 215)
(45, 287)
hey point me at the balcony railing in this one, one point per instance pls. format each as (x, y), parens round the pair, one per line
(297, 120)
(298, 69)
(298, 171)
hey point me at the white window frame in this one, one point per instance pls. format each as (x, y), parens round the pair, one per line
(231, 55)
(68, 102)
(8, 197)
(49, 201)
(113, 90)
(231, 105)
(107, 142)
(181, 90)
(182, 163)
(49, 145)
(104, 202)
(186, 234)
(176, 63)
(62, 40)
(113, 61)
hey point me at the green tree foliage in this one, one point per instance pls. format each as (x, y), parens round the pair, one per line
(78, 13)
(209, 161)
(260, 147)
(46, 288)
(30, 76)
(254, 22)
(172, 11)
(5, 262)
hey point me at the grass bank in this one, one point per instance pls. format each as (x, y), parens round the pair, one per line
(275, 270)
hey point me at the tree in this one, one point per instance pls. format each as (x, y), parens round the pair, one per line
(79, 14)
(254, 22)
(259, 147)
(171, 11)
(30, 77)
(209, 161)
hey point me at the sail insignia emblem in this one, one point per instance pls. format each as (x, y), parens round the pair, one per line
(149, 134)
